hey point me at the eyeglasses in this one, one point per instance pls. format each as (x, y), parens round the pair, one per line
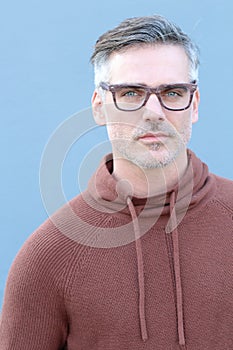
(174, 97)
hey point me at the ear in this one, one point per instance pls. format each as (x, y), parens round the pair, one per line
(97, 108)
(196, 101)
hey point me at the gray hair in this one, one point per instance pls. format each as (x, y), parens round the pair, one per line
(139, 31)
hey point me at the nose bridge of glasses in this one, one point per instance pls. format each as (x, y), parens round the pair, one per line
(153, 96)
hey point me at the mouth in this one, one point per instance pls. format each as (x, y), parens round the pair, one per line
(150, 138)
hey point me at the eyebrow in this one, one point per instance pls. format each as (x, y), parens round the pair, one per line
(142, 85)
(131, 84)
(149, 86)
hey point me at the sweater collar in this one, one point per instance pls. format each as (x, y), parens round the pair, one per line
(194, 187)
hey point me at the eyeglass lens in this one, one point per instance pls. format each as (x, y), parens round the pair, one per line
(131, 98)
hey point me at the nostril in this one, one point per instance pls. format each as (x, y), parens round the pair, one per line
(152, 115)
(161, 118)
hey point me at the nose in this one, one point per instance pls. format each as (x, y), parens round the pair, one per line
(153, 109)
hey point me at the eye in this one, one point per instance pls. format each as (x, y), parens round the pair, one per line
(128, 93)
(131, 92)
(174, 93)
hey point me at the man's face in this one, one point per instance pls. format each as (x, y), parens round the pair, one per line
(152, 136)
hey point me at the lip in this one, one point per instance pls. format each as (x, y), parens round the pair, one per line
(152, 137)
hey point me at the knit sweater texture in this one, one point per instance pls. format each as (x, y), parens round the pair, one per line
(111, 271)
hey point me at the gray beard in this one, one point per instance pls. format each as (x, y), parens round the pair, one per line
(126, 148)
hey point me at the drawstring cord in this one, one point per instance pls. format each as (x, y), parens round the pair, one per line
(176, 255)
(141, 282)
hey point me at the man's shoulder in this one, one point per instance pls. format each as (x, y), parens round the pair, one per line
(67, 223)
(58, 233)
(70, 209)
(224, 191)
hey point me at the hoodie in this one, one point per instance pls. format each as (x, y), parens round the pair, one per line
(111, 271)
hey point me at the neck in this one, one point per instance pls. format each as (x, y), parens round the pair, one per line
(150, 182)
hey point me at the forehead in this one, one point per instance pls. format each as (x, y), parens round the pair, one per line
(151, 65)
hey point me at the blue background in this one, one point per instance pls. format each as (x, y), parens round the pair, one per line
(46, 77)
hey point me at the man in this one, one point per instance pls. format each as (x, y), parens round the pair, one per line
(143, 258)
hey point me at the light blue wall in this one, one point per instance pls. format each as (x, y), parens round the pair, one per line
(45, 77)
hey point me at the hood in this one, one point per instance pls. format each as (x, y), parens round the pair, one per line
(112, 194)
(115, 197)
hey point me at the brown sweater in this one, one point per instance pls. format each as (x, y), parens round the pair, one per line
(112, 272)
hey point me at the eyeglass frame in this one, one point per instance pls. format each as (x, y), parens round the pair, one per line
(192, 87)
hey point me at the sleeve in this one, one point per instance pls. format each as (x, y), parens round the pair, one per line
(33, 315)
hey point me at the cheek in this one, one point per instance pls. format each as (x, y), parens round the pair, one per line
(180, 121)
(119, 130)
(118, 123)
(185, 130)
(112, 131)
